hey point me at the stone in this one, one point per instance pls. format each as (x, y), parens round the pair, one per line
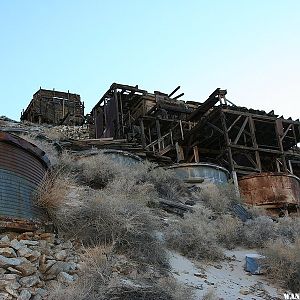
(29, 281)
(65, 278)
(33, 256)
(50, 237)
(5, 296)
(25, 236)
(16, 244)
(24, 295)
(14, 271)
(2, 271)
(26, 268)
(61, 255)
(41, 292)
(37, 297)
(29, 242)
(11, 291)
(24, 251)
(244, 291)
(8, 252)
(5, 239)
(4, 242)
(6, 262)
(67, 245)
(60, 266)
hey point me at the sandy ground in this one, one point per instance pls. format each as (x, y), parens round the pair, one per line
(227, 279)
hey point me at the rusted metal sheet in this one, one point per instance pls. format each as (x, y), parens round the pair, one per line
(271, 189)
(197, 173)
(22, 168)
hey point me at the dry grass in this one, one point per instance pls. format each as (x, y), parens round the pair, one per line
(96, 171)
(229, 231)
(258, 231)
(53, 190)
(219, 198)
(195, 236)
(283, 259)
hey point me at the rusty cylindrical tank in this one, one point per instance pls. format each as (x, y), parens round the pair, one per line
(271, 190)
(22, 168)
(197, 173)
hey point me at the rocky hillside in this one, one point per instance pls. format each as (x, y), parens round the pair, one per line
(116, 234)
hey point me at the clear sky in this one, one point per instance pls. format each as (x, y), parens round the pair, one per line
(249, 47)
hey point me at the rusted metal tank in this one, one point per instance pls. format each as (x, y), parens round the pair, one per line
(197, 173)
(270, 189)
(22, 168)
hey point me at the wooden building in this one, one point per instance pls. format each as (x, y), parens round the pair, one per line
(54, 107)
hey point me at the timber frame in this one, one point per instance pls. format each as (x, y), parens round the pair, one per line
(242, 140)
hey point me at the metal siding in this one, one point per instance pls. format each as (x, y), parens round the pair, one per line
(20, 174)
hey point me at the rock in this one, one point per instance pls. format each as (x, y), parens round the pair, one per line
(26, 268)
(25, 236)
(67, 245)
(8, 252)
(60, 266)
(4, 242)
(24, 295)
(29, 243)
(29, 281)
(33, 256)
(2, 271)
(6, 262)
(24, 251)
(37, 297)
(14, 271)
(218, 267)
(11, 291)
(61, 255)
(16, 244)
(65, 278)
(41, 292)
(50, 237)
(5, 296)
(244, 291)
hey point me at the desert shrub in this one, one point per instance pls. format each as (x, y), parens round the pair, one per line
(219, 198)
(195, 236)
(229, 231)
(54, 189)
(96, 171)
(165, 182)
(283, 259)
(101, 218)
(95, 274)
(288, 228)
(259, 230)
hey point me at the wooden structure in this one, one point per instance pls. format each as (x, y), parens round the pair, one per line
(242, 140)
(54, 107)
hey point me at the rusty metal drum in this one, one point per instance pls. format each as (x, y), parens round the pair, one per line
(270, 189)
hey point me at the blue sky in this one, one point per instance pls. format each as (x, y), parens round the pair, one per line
(249, 47)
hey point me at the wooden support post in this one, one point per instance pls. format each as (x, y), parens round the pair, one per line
(279, 131)
(196, 154)
(179, 152)
(236, 183)
(158, 133)
(241, 130)
(254, 141)
(143, 138)
(227, 141)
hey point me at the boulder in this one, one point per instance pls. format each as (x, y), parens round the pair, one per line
(24, 295)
